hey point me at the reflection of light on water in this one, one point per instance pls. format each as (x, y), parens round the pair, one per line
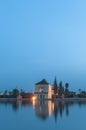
(53, 106)
(49, 107)
(43, 108)
(34, 103)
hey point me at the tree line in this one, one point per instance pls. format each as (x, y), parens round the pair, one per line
(60, 90)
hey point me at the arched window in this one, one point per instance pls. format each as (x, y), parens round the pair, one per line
(41, 90)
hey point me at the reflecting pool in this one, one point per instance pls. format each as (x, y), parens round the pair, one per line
(42, 115)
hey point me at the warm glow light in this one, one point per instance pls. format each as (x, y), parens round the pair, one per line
(34, 98)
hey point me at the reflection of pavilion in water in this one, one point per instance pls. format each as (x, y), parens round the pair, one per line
(43, 109)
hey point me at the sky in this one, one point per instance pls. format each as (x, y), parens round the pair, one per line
(42, 39)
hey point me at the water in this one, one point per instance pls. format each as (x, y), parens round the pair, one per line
(45, 115)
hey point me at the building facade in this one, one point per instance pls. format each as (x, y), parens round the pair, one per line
(43, 90)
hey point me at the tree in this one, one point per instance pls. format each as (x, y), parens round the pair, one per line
(61, 88)
(66, 85)
(66, 89)
(5, 94)
(55, 87)
(15, 92)
(79, 90)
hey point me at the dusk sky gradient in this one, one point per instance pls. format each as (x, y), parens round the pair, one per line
(42, 39)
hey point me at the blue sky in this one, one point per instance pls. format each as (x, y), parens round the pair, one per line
(42, 39)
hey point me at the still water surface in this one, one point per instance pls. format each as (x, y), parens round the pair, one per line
(45, 115)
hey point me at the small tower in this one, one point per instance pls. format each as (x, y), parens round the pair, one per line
(43, 90)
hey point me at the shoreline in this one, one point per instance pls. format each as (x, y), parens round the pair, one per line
(71, 99)
(58, 99)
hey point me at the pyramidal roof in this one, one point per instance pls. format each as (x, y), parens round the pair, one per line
(42, 82)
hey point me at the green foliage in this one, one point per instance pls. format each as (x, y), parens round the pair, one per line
(55, 86)
(66, 85)
(61, 88)
(67, 90)
(82, 94)
(15, 92)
